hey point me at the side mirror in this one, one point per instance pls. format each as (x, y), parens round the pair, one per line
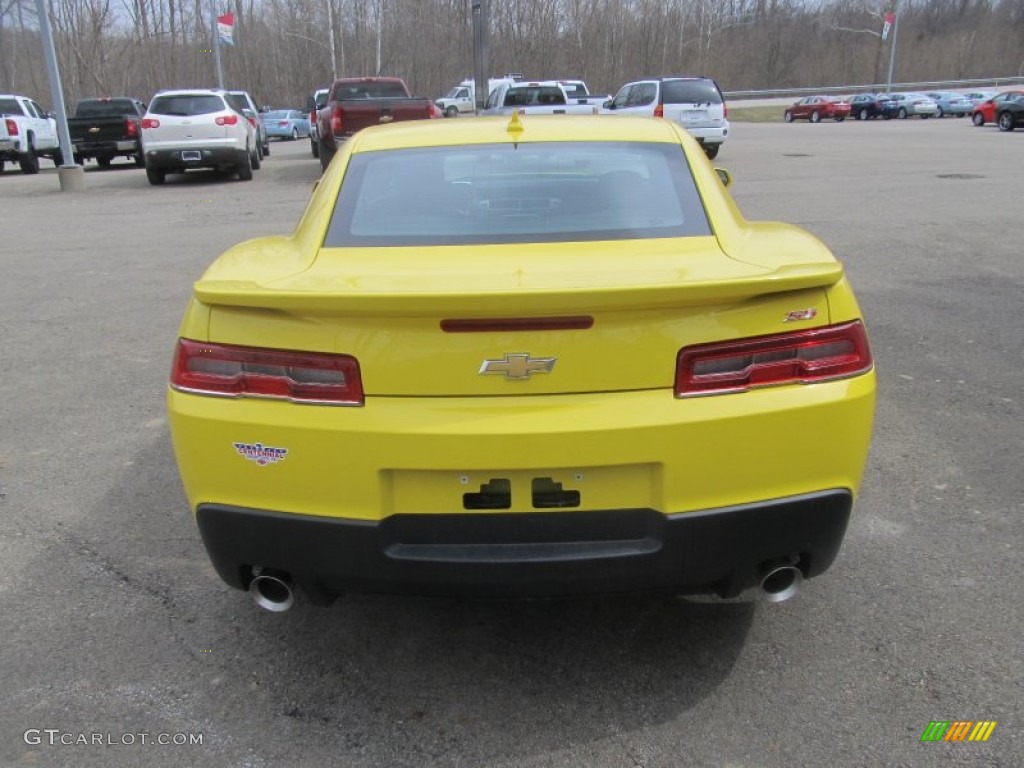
(724, 176)
(608, 105)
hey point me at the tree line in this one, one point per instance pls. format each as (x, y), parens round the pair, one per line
(284, 48)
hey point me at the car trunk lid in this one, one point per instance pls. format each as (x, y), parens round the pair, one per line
(424, 322)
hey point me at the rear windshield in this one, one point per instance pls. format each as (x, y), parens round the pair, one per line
(369, 91)
(10, 107)
(187, 104)
(690, 92)
(503, 193)
(534, 94)
(114, 107)
(277, 114)
(575, 90)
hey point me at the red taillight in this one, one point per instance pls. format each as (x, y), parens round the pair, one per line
(336, 124)
(659, 111)
(801, 357)
(302, 377)
(227, 120)
(12, 127)
(283, 123)
(150, 122)
(131, 128)
(725, 110)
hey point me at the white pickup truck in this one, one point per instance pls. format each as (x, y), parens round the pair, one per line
(545, 97)
(27, 133)
(461, 100)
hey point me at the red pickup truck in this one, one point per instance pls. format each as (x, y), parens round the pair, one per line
(357, 102)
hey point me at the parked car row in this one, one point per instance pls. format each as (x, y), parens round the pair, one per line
(983, 107)
(695, 103)
(177, 131)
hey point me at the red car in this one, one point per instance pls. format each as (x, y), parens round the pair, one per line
(816, 108)
(986, 111)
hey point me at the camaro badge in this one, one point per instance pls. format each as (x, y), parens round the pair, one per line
(518, 365)
(260, 453)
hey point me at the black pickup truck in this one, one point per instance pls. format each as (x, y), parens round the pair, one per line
(107, 128)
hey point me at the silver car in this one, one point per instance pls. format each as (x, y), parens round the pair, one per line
(912, 103)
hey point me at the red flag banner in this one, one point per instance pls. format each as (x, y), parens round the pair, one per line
(226, 28)
(890, 19)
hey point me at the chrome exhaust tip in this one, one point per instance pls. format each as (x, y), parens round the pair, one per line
(781, 582)
(272, 590)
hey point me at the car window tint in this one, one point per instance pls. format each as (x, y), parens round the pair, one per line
(690, 92)
(502, 193)
(104, 108)
(369, 91)
(185, 105)
(10, 107)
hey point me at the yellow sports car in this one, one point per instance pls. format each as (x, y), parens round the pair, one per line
(542, 356)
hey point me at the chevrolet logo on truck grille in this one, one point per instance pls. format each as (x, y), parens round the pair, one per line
(518, 365)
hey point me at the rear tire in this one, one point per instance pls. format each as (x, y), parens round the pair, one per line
(326, 155)
(29, 161)
(1005, 121)
(256, 161)
(862, 114)
(314, 147)
(711, 150)
(244, 169)
(815, 116)
(156, 177)
(978, 119)
(902, 114)
(938, 113)
(788, 117)
(295, 134)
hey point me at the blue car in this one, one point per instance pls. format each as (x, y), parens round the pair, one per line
(286, 124)
(949, 103)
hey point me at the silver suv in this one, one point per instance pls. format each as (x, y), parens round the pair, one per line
(696, 103)
(197, 128)
(245, 105)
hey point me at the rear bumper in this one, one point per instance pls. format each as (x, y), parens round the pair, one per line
(203, 157)
(91, 148)
(534, 554)
(715, 135)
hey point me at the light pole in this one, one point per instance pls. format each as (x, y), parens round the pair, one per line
(71, 176)
(480, 50)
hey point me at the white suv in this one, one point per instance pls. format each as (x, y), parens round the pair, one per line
(696, 103)
(197, 128)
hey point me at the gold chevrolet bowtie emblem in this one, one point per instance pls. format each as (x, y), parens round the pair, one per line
(518, 365)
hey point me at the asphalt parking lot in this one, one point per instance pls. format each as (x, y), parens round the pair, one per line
(117, 632)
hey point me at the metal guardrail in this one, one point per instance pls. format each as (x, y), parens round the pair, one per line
(875, 87)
